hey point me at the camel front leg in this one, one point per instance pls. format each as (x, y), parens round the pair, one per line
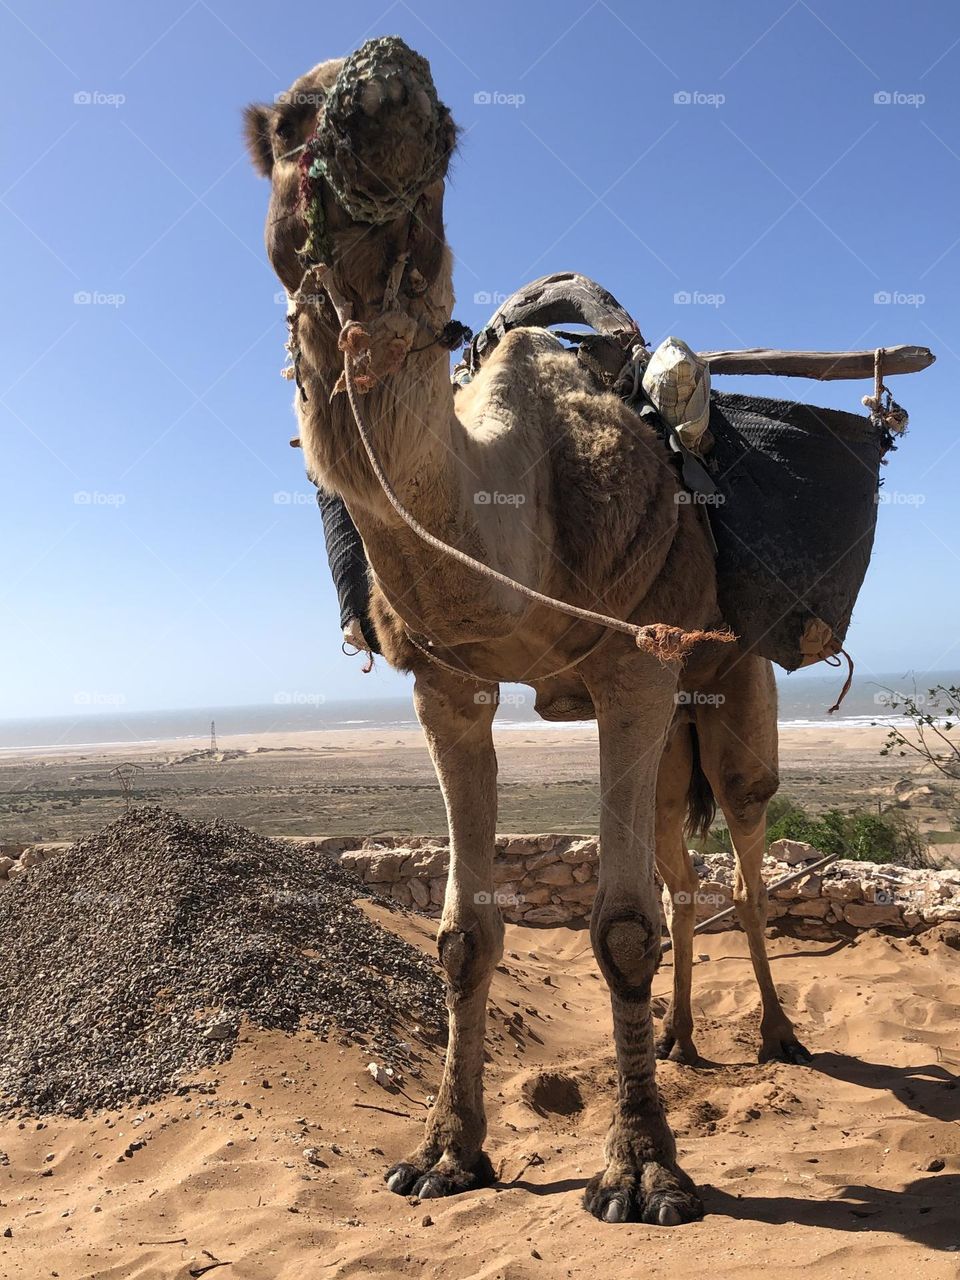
(642, 1178)
(457, 719)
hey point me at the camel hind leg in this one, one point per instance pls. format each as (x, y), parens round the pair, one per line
(677, 871)
(737, 732)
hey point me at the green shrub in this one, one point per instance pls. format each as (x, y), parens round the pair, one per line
(863, 836)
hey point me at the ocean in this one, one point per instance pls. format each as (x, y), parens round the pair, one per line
(804, 700)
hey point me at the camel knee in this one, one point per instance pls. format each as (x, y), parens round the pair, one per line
(745, 796)
(628, 948)
(469, 956)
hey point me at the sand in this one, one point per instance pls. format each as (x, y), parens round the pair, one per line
(818, 1168)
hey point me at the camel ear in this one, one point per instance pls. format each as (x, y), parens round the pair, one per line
(257, 127)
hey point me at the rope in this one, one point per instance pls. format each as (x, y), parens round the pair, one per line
(890, 417)
(665, 642)
(834, 661)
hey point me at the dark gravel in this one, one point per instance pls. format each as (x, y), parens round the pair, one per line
(129, 961)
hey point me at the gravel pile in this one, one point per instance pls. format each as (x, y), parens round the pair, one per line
(130, 959)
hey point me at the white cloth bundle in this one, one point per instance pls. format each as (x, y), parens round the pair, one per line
(678, 383)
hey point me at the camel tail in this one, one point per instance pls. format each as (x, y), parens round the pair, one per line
(701, 803)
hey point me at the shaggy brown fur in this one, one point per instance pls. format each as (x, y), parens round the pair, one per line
(536, 473)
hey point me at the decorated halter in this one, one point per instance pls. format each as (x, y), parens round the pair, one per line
(382, 71)
(357, 122)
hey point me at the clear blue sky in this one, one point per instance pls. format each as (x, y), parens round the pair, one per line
(783, 187)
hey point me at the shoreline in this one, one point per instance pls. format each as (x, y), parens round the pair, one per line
(855, 728)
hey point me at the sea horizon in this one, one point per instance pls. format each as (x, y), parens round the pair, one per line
(803, 703)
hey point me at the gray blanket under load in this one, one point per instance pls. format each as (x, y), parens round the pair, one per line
(793, 517)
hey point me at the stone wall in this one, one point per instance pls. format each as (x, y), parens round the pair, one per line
(552, 879)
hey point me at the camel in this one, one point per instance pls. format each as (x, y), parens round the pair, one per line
(535, 472)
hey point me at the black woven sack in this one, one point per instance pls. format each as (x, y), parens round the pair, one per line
(795, 525)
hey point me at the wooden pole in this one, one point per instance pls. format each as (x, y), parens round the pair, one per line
(825, 366)
(780, 884)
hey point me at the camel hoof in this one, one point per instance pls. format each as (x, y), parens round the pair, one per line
(406, 1179)
(617, 1210)
(432, 1186)
(789, 1051)
(683, 1052)
(401, 1177)
(610, 1204)
(672, 1208)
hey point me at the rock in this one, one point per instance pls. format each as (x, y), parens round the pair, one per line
(809, 887)
(426, 863)
(581, 851)
(438, 888)
(553, 913)
(794, 852)
(583, 873)
(533, 895)
(934, 1165)
(521, 846)
(543, 859)
(222, 1030)
(5, 865)
(810, 908)
(401, 892)
(385, 867)
(865, 915)
(941, 913)
(420, 893)
(560, 873)
(842, 890)
(580, 892)
(507, 870)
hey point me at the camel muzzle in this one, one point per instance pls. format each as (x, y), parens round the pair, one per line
(384, 136)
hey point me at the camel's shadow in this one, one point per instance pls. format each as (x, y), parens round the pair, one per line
(925, 1211)
(930, 1089)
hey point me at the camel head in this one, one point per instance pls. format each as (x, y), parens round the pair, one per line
(356, 152)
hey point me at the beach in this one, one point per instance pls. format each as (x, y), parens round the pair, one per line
(379, 779)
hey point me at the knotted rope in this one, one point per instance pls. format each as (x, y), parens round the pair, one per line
(891, 418)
